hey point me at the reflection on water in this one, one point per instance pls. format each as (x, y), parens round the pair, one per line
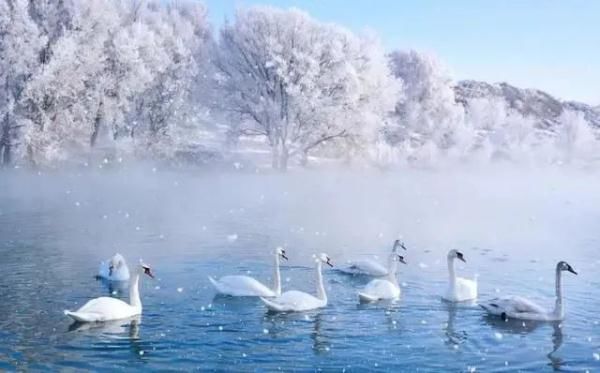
(51, 247)
(453, 337)
(525, 327)
(116, 328)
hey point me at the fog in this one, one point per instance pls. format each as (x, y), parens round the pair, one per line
(145, 210)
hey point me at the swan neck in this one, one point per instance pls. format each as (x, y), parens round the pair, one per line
(277, 276)
(559, 307)
(320, 287)
(134, 293)
(392, 270)
(451, 272)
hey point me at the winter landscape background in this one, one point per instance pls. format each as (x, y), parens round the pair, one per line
(148, 128)
(90, 82)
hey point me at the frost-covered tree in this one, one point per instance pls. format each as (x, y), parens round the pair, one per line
(495, 131)
(429, 110)
(575, 138)
(20, 45)
(300, 83)
(77, 72)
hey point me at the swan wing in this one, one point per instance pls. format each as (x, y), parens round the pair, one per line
(516, 307)
(103, 270)
(241, 286)
(466, 288)
(365, 267)
(379, 289)
(103, 309)
(119, 274)
(295, 301)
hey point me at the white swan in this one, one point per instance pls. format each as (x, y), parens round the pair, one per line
(459, 289)
(246, 286)
(521, 308)
(369, 266)
(107, 308)
(388, 288)
(299, 301)
(114, 269)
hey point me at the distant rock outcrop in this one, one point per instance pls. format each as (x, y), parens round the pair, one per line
(541, 106)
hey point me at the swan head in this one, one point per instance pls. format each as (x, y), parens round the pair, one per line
(145, 269)
(400, 258)
(397, 245)
(116, 262)
(323, 258)
(452, 254)
(281, 252)
(564, 266)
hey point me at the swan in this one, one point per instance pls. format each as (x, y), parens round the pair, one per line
(388, 288)
(107, 308)
(460, 289)
(294, 300)
(114, 269)
(369, 266)
(246, 286)
(516, 307)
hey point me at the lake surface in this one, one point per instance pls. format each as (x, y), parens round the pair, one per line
(512, 226)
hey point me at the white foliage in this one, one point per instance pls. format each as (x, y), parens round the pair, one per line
(300, 83)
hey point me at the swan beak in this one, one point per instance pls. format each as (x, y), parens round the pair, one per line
(397, 244)
(283, 256)
(461, 257)
(401, 259)
(572, 270)
(110, 270)
(148, 272)
(329, 263)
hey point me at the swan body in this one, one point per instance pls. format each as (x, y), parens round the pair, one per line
(114, 269)
(516, 307)
(388, 288)
(246, 286)
(459, 289)
(369, 266)
(107, 308)
(295, 301)
(241, 286)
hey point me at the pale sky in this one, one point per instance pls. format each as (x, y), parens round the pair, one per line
(547, 44)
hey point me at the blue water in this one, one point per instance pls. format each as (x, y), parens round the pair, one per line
(56, 227)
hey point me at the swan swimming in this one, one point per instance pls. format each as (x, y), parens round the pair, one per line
(294, 300)
(369, 266)
(516, 307)
(107, 308)
(388, 288)
(246, 286)
(459, 289)
(114, 269)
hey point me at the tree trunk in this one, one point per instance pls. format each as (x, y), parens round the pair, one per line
(275, 155)
(5, 149)
(304, 159)
(283, 158)
(97, 122)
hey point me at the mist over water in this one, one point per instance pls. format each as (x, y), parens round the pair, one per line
(513, 224)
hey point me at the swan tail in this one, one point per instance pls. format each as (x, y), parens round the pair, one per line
(272, 305)
(366, 298)
(78, 316)
(215, 284)
(491, 308)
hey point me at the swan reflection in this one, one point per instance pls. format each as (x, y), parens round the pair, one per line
(521, 327)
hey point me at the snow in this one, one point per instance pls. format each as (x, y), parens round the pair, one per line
(161, 85)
